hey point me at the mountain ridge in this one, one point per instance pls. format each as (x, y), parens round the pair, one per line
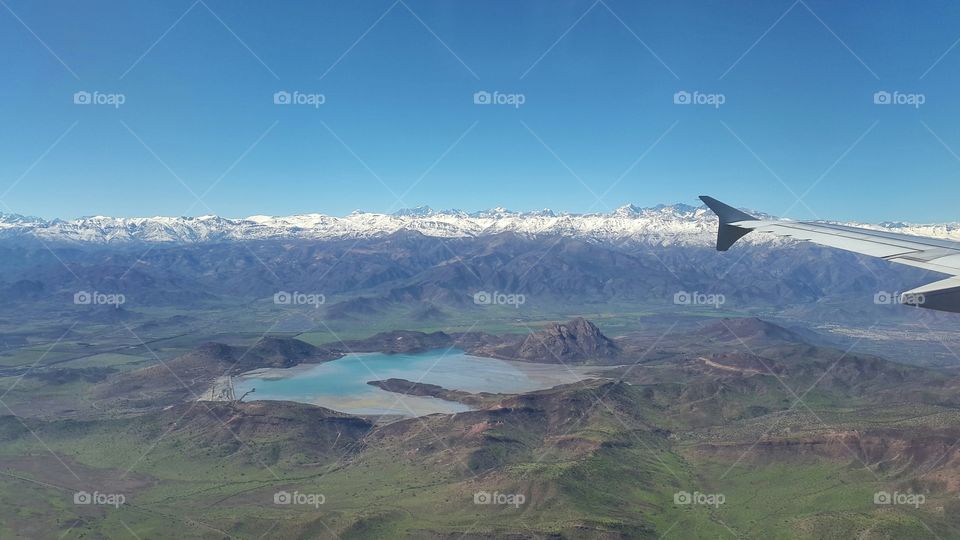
(677, 224)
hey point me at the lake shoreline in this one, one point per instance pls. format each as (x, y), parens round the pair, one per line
(342, 384)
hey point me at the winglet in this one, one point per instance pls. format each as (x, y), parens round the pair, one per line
(727, 234)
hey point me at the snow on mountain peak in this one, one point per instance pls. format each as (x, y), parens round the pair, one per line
(677, 224)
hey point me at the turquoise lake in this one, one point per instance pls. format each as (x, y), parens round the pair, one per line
(342, 384)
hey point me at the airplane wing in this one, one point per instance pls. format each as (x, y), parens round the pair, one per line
(942, 256)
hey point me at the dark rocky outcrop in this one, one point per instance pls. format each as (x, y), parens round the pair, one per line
(412, 388)
(577, 341)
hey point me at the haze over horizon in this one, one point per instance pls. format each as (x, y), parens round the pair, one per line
(798, 109)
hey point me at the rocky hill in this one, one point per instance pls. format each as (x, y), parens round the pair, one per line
(576, 341)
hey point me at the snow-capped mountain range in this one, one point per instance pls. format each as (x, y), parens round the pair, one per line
(677, 224)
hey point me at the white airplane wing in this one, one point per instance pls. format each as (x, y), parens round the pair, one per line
(942, 256)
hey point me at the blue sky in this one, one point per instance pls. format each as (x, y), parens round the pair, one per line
(598, 126)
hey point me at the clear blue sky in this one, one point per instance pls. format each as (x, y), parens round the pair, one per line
(798, 88)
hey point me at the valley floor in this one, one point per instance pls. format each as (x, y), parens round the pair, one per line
(735, 428)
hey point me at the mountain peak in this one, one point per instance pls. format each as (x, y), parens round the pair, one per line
(677, 208)
(13, 219)
(576, 340)
(628, 209)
